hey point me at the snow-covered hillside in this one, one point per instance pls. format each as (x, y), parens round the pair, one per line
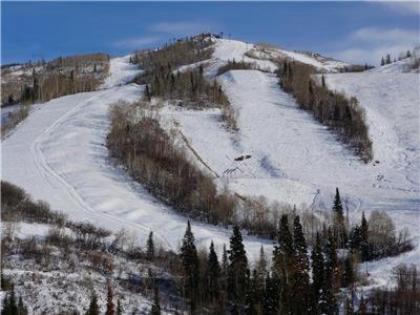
(58, 153)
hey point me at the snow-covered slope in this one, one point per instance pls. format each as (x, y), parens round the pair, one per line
(58, 153)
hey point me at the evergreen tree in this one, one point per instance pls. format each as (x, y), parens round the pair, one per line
(155, 310)
(251, 295)
(300, 278)
(355, 239)
(348, 272)
(9, 304)
(331, 281)
(22, 310)
(382, 61)
(271, 296)
(408, 55)
(150, 251)
(364, 243)
(317, 269)
(190, 265)
(93, 306)
(339, 227)
(238, 265)
(110, 310)
(119, 307)
(388, 59)
(284, 262)
(262, 263)
(212, 276)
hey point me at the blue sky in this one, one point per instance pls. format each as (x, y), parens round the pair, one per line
(351, 31)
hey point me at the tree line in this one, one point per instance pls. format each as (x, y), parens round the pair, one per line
(44, 81)
(343, 115)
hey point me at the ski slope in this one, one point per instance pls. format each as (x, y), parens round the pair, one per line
(58, 155)
(296, 160)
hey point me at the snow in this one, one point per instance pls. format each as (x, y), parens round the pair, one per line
(58, 155)
(395, 67)
(294, 159)
(391, 100)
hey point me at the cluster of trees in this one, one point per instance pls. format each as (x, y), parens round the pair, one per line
(181, 52)
(333, 109)
(232, 286)
(154, 160)
(403, 299)
(355, 68)
(10, 307)
(388, 59)
(236, 65)
(17, 205)
(59, 77)
(163, 80)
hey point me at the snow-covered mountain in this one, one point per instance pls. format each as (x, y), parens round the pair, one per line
(58, 153)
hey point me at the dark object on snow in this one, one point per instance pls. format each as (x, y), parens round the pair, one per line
(243, 157)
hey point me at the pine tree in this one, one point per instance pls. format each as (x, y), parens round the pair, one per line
(388, 59)
(262, 263)
(155, 310)
(109, 300)
(238, 265)
(22, 310)
(119, 307)
(331, 280)
(9, 304)
(355, 239)
(300, 277)
(150, 251)
(213, 273)
(317, 269)
(340, 233)
(284, 260)
(348, 272)
(408, 55)
(190, 264)
(271, 296)
(364, 243)
(251, 295)
(93, 306)
(382, 61)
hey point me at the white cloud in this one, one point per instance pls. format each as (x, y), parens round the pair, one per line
(180, 27)
(136, 42)
(403, 7)
(368, 45)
